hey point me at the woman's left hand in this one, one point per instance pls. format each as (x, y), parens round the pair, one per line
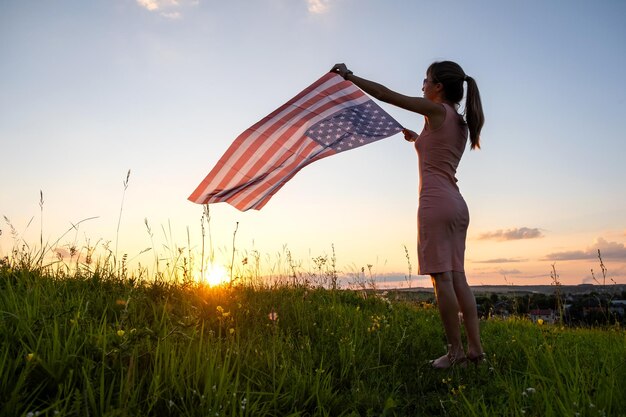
(409, 135)
(341, 69)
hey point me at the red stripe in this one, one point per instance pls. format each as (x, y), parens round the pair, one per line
(285, 155)
(262, 201)
(276, 142)
(234, 169)
(279, 176)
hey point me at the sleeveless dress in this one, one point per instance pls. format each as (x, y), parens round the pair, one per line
(442, 215)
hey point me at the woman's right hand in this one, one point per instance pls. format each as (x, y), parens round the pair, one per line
(341, 69)
(409, 135)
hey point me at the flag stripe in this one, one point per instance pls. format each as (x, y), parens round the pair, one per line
(234, 167)
(275, 180)
(264, 157)
(283, 130)
(250, 142)
(323, 153)
(295, 156)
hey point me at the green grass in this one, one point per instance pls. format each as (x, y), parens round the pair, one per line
(89, 344)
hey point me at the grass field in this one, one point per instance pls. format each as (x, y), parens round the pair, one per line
(93, 344)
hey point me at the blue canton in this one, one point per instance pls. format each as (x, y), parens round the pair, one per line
(353, 127)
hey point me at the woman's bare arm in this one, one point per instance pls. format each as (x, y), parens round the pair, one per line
(419, 105)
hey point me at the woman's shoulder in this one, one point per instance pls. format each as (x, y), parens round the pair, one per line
(451, 113)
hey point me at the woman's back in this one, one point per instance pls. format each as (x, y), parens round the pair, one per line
(440, 150)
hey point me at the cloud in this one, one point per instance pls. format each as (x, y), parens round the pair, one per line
(509, 271)
(149, 4)
(608, 250)
(500, 261)
(318, 6)
(171, 15)
(512, 234)
(167, 8)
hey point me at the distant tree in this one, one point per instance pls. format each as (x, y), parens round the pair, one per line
(494, 298)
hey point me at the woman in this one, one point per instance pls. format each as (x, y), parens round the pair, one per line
(442, 215)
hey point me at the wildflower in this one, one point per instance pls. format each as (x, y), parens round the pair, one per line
(220, 309)
(540, 322)
(273, 316)
(457, 391)
(231, 330)
(30, 357)
(530, 390)
(120, 333)
(73, 321)
(120, 302)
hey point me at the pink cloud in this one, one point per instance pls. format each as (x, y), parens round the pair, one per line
(512, 234)
(608, 250)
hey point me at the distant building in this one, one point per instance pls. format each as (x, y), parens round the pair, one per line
(547, 315)
(618, 307)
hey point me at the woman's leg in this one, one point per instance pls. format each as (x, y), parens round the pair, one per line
(449, 312)
(467, 302)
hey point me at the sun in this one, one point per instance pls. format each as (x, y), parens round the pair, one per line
(215, 275)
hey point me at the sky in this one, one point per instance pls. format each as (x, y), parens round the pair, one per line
(91, 90)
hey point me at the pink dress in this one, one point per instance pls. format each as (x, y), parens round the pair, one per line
(442, 215)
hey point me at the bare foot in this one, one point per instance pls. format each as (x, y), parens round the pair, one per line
(446, 361)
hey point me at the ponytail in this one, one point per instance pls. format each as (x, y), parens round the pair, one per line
(473, 112)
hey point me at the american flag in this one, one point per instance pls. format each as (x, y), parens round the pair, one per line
(330, 116)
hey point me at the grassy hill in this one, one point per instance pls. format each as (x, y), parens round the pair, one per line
(92, 344)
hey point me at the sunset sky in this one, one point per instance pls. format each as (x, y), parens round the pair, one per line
(91, 89)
